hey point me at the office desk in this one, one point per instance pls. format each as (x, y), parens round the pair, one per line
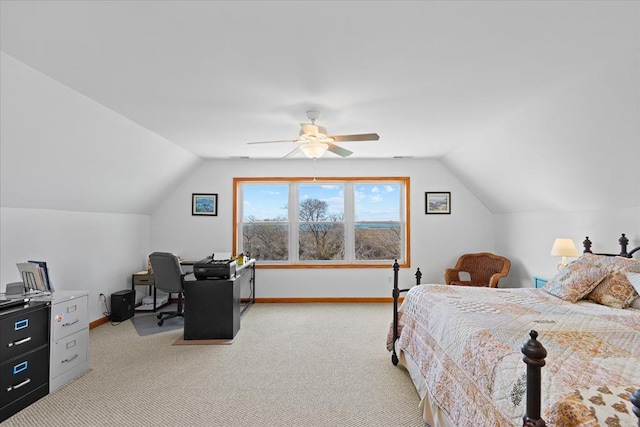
(213, 307)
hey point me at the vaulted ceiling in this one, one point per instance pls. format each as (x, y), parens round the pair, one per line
(530, 104)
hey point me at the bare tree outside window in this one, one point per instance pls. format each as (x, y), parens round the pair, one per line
(321, 235)
(266, 240)
(336, 221)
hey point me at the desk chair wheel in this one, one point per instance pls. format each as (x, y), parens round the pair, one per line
(160, 323)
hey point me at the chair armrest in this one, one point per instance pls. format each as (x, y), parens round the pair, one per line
(451, 274)
(493, 282)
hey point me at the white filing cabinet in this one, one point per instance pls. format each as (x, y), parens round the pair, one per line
(69, 337)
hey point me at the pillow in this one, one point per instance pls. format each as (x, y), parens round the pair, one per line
(611, 263)
(614, 291)
(575, 281)
(634, 280)
(635, 303)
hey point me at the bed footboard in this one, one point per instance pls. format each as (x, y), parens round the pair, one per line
(396, 295)
(534, 355)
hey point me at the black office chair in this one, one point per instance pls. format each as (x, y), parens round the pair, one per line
(169, 277)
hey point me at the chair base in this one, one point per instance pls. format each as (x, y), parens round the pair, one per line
(168, 315)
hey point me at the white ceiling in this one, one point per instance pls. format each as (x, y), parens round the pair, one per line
(533, 105)
(212, 76)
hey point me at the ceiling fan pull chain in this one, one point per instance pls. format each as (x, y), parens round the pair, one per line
(314, 168)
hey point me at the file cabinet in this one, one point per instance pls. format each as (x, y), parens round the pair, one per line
(24, 356)
(69, 337)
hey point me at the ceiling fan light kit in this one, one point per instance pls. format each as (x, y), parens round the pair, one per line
(314, 149)
(314, 141)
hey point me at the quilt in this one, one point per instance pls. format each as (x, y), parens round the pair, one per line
(467, 344)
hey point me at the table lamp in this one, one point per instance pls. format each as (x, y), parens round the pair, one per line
(564, 248)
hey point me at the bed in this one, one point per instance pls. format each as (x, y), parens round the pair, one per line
(463, 347)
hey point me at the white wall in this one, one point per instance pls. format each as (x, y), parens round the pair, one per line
(436, 240)
(62, 150)
(89, 251)
(77, 184)
(528, 237)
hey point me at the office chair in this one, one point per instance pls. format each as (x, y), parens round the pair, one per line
(169, 277)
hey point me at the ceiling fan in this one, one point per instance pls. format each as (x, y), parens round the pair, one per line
(314, 141)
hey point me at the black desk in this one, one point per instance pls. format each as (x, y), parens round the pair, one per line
(213, 307)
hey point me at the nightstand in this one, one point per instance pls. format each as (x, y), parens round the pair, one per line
(539, 282)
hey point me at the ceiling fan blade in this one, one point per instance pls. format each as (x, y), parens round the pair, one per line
(270, 142)
(292, 152)
(357, 137)
(342, 152)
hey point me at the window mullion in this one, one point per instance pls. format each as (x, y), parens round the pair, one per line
(294, 223)
(349, 221)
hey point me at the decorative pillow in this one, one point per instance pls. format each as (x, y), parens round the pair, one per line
(614, 291)
(611, 263)
(634, 279)
(594, 406)
(575, 281)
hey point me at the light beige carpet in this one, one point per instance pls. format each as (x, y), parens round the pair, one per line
(290, 365)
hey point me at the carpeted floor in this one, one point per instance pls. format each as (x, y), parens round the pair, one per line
(290, 365)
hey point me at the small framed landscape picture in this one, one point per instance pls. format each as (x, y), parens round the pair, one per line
(204, 204)
(438, 202)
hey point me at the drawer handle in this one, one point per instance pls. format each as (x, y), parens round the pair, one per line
(17, 386)
(71, 323)
(22, 341)
(75, 356)
(21, 324)
(20, 367)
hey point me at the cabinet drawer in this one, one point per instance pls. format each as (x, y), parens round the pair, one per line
(69, 352)
(68, 317)
(143, 279)
(23, 374)
(23, 331)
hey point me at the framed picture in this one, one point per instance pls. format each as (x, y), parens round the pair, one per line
(438, 202)
(204, 204)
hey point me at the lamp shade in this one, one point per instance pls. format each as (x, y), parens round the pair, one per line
(564, 247)
(314, 149)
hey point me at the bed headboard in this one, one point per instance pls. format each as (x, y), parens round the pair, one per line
(622, 241)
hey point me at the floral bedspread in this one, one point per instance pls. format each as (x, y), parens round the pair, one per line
(467, 344)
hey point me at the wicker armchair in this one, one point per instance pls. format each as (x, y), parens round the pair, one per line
(484, 268)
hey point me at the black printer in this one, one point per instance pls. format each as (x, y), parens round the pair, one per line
(210, 268)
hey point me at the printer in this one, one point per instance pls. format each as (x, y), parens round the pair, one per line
(210, 268)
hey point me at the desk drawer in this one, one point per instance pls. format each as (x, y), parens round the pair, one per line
(68, 317)
(23, 331)
(23, 374)
(69, 352)
(143, 279)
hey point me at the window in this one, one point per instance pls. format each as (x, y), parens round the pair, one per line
(348, 222)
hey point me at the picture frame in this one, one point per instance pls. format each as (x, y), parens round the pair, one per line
(204, 204)
(438, 202)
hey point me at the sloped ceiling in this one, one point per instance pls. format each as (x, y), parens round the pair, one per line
(533, 105)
